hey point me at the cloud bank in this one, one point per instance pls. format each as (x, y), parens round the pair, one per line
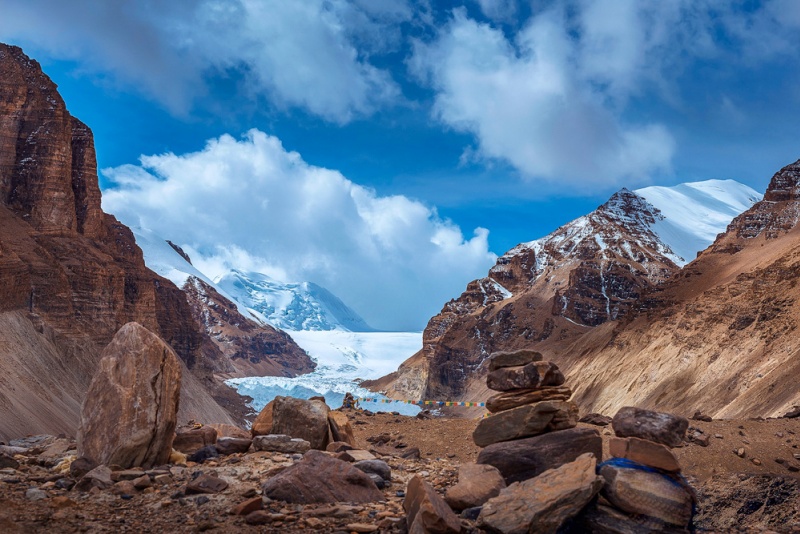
(250, 204)
(314, 55)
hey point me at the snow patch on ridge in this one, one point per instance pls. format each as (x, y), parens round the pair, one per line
(694, 213)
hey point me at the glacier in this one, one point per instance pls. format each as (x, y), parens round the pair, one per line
(343, 360)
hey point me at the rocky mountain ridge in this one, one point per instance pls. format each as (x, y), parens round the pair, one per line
(548, 293)
(73, 275)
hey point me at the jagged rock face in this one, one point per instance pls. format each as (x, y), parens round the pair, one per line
(590, 271)
(776, 214)
(251, 349)
(71, 275)
(48, 172)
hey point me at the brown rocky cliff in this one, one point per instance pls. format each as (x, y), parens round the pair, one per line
(72, 274)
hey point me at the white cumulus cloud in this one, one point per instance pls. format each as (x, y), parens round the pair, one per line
(527, 102)
(314, 55)
(250, 204)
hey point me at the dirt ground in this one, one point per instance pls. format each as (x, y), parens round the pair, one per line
(759, 492)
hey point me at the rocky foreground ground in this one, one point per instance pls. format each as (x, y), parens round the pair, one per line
(746, 474)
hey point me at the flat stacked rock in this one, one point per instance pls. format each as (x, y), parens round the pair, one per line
(532, 400)
(642, 480)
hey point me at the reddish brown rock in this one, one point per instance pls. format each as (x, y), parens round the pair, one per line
(300, 418)
(515, 358)
(526, 458)
(520, 397)
(524, 421)
(645, 452)
(229, 431)
(532, 375)
(341, 429)
(130, 412)
(262, 425)
(543, 504)
(660, 427)
(249, 506)
(477, 483)
(650, 494)
(319, 478)
(338, 446)
(206, 484)
(227, 446)
(189, 439)
(426, 511)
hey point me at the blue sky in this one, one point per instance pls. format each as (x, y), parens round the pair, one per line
(360, 143)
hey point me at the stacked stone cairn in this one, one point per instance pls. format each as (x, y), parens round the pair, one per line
(532, 400)
(537, 470)
(642, 482)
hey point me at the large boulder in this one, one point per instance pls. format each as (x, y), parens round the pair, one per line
(262, 425)
(650, 494)
(190, 439)
(426, 511)
(526, 458)
(130, 412)
(524, 421)
(319, 478)
(300, 418)
(543, 504)
(477, 483)
(341, 429)
(660, 427)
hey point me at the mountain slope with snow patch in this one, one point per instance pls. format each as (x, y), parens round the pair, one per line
(291, 306)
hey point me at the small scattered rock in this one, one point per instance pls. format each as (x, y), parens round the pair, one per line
(281, 443)
(7, 461)
(35, 494)
(339, 446)
(248, 506)
(206, 484)
(355, 455)
(204, 454)
(740, 452)
(700, 416)
(377, 467)
(227, 446)
(80, 466)
(361, 527)
(99, 477)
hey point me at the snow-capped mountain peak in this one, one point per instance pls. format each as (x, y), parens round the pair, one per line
(291, 306)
